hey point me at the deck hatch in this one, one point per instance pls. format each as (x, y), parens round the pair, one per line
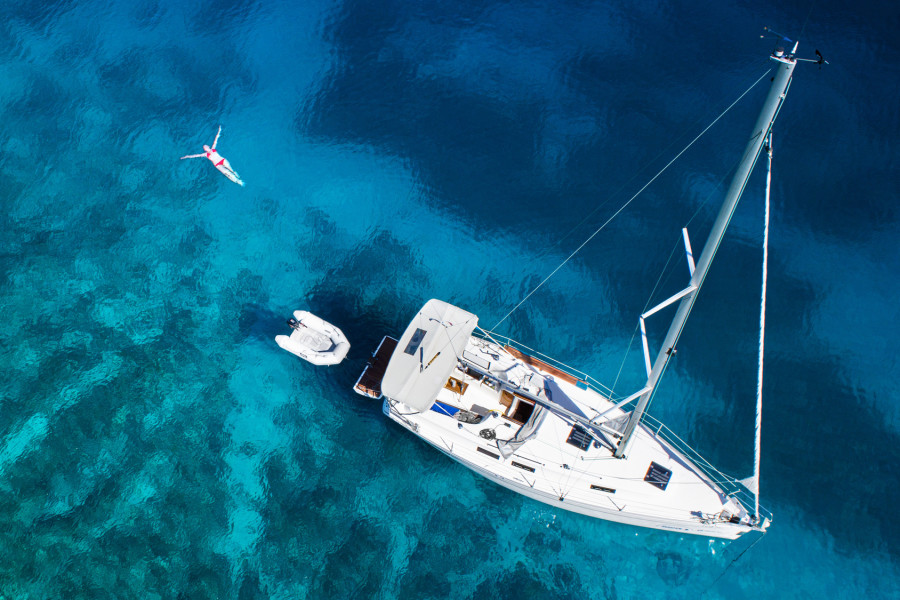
(579, 438)
(658, 476)
(476, 360)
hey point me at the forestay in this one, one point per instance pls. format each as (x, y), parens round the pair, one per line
(427, 353)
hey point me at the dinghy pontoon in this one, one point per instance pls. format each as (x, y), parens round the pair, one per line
(314, 340)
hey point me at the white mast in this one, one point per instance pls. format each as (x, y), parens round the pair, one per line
(780, 83)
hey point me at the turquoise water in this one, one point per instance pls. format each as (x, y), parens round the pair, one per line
(156, 443)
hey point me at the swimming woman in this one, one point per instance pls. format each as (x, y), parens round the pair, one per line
(218, 160)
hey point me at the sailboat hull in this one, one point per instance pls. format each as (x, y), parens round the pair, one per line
(478, 418)
(551, 436)
(719, 530)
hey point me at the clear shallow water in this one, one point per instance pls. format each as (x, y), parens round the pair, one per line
(154, 442)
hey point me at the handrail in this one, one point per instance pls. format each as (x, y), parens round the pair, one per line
(729, 485)
(587, 379)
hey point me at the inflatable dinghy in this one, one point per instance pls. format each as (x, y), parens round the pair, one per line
(314, 340)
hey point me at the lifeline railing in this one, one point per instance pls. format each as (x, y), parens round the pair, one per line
(588, 381)
(731, 486)
(728, 484)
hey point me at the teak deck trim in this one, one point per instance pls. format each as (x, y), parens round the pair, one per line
(546, 368)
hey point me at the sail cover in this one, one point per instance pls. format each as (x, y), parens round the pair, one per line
(427, 353)
(526, 432)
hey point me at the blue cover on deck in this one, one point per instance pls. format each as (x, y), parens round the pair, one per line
(444, 409)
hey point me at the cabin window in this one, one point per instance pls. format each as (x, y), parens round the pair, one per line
(600, 488)
(658, 476)
(415, 341)
(488, 452)
(579, 438)
(523, 467)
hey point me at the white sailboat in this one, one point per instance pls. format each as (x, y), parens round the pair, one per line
(551, 433)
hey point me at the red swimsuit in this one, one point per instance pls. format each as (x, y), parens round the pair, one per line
(214, 151)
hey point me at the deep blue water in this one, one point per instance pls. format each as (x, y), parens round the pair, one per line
(156, 443)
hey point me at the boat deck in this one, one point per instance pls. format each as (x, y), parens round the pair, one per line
(561, 464)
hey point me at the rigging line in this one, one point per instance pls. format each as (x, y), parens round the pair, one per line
(630, 200)
(568, 485)
(762, 535)
(668, 274)
(449, 341)
(668, 261)
(762, 335)
(766, 133)
(803, 29)
(690, 220)
(632, 178)
(637, 326)
(646, 305)
(664, 272)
